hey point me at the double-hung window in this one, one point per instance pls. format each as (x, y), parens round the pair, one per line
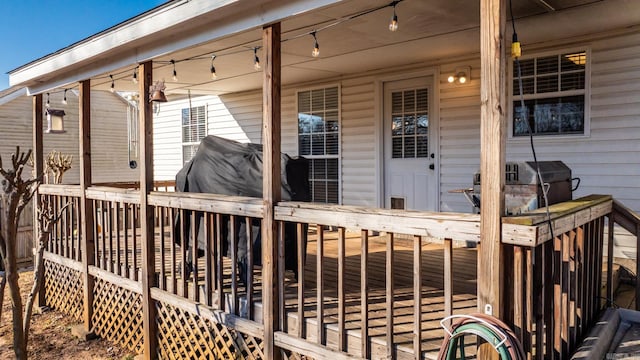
(194, 129)
(319, 141)
(554, 95)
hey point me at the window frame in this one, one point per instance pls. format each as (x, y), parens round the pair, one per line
(337, 156)
(587, 95)
(182, 126)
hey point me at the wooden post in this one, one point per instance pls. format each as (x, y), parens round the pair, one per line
(86, 205)
(270, 185)
(38, 170)
(492, 154)
(145, 119)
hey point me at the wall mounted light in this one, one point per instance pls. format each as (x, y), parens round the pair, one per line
(461, 76)
(55, 121)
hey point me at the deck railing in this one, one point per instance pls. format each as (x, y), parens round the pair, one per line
(555, 287)
(404, 330)
(366, 284)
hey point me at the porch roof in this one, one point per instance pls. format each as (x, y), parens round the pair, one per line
(189, 32)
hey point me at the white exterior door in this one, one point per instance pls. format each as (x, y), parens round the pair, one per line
(409, 154)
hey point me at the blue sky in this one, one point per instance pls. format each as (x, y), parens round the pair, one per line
(31, 29)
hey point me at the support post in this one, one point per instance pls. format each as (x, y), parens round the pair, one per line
(270, 185)
(86, 206)
(145, 118)
(492, 154)
(38, 168)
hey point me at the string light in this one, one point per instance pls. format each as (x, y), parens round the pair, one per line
(316, 47)
(64, 99)
(213, 68)
(256, 60)
(48, 104)
(175, 74)
(393, 25)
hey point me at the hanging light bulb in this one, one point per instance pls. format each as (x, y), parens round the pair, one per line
(256, 59)
(393, 25)
(113, 84)
(175, 73)
(316, 47)
(64, 98)
(134, 78)
(213, 68)
(48, 102)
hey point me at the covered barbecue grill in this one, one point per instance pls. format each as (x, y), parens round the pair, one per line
(522, 191)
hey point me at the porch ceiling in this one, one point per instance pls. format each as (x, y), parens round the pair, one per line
(429, 30)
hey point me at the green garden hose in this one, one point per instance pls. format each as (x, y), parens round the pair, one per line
(490, 329)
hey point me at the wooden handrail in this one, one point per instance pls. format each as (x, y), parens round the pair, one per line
(532, 229)
(59, 189)
(630, 221)
(439, 225)
(626, 218)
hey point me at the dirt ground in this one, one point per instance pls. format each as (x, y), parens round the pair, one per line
(51, 336)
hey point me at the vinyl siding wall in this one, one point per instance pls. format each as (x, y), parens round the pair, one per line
(607, 160)
(108, 134)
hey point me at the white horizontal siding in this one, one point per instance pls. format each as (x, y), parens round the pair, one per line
(607, 161)
(108, 134)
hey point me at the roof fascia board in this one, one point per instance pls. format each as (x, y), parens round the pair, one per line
(254, 15)
(12, 95)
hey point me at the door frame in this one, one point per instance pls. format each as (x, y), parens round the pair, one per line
(434, 122)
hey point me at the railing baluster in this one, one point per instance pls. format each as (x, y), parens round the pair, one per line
(301, 255)
(194, 254)
(389, 296)
(184, 237)
(320, 283)
(233, 253)
(208, 253)
(174, 276)
(125, 220)
(219, 262)
(249, 268)
(364, 294)
(417, 293)
(134, 232)
(342, 341)
(163, 247)
(118, 237)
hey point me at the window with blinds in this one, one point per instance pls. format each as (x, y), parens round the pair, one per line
(194, 129)
(553, 90)
(319, 141)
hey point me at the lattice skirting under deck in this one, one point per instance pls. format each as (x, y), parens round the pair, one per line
(183, 335)
(63, 289)
(117, 315)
